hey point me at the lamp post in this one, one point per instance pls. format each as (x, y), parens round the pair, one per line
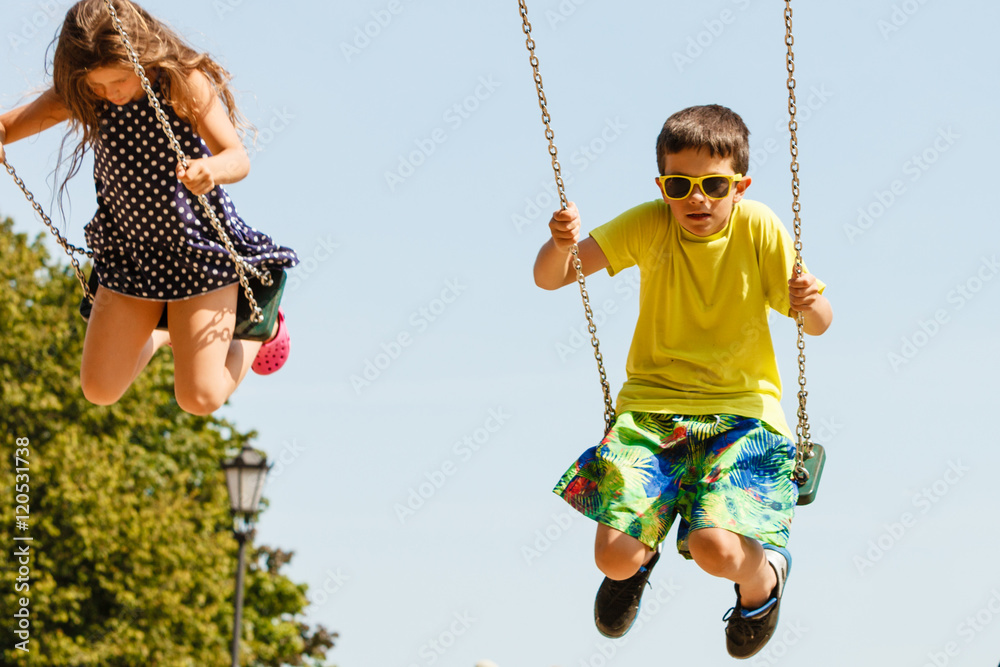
(245, 474)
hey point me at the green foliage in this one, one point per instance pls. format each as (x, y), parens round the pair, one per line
(133, 559)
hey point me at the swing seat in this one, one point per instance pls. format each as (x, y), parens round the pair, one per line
(268, 299)
(814, 467)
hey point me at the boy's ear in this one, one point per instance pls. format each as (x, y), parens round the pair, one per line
(741, 187)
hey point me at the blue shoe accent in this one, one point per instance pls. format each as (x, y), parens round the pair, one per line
(785, 553)
(759, 610)
(748, 631)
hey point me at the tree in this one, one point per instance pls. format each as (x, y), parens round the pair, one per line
(132, 560)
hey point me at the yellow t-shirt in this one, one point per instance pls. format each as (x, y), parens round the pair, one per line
(702, 344)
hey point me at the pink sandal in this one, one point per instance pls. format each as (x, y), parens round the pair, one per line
(274, 353)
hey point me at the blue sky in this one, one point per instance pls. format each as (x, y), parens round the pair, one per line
(402, 155)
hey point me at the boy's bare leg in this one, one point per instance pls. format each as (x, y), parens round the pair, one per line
(740, 559)
(627, 564)
(619, 556)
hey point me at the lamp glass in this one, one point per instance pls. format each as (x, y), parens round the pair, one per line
(245, 481)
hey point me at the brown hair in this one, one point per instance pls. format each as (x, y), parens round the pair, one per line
(715, 128)
(88, 40)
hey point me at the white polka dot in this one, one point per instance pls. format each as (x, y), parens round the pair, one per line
(142, 203)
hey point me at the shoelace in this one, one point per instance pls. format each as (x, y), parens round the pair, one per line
(742, 629)
(619, 587)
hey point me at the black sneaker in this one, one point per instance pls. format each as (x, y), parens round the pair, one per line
(749, 630)
(617, 603)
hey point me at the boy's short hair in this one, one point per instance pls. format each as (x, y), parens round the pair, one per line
(716, 128)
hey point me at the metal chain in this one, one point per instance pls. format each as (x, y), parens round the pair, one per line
(804, 445)
(241, 265)
(68, 247)
(609, 407)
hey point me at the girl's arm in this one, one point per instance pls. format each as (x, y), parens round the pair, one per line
(229, 162)
(28, 120)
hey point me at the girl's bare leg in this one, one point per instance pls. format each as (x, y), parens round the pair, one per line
(118, 344)
(208, 363)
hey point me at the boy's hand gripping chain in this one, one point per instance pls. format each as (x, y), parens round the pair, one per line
(609, 408)
(804, 444)
(241, 265)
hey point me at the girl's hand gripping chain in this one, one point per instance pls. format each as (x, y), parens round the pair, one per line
(197, 178)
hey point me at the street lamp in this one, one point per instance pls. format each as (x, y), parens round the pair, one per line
(245, 475)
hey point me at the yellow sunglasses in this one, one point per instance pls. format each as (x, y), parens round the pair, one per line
(715, 186)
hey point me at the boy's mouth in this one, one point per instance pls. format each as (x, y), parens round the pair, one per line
(700, 217)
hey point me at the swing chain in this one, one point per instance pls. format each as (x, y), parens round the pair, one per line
(543, 104)
(241, 265)
(804, 445)
(70, 249)
(609, 407)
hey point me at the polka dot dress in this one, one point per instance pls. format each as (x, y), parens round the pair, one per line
(149, 236)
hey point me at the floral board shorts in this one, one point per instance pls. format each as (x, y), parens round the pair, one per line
(716, 471)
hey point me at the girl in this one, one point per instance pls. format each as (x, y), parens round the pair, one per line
(153, 246)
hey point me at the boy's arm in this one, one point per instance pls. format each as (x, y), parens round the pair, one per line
(28, 120)
(554, 264)
(803, 293)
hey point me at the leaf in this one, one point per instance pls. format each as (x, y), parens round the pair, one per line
(133, 560)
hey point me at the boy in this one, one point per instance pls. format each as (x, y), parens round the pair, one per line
(700, 431)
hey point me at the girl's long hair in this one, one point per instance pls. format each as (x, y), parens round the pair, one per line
(88, 40)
